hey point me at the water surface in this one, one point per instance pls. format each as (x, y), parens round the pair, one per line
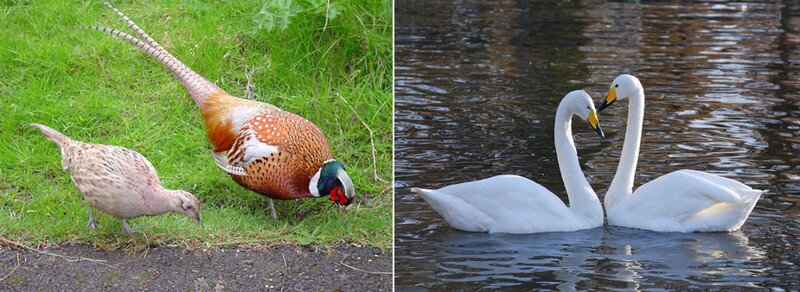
(477, 85)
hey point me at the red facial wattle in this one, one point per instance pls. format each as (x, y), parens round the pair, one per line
(337, 195)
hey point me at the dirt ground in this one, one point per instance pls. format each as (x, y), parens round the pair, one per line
(281, 268)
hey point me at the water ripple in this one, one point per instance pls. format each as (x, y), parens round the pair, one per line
(477, 85)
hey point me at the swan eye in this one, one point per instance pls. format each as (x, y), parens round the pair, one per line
(616, 85)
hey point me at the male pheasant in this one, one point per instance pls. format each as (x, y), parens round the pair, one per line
(263, 148)
(118, 181)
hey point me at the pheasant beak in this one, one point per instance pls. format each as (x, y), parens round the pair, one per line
(610, 98)
(595, 124)
(348, 188)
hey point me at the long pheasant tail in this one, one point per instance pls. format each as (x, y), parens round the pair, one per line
(52, 135)
(143, 35)
(198, 86)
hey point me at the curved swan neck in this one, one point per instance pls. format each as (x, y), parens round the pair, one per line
(622, 185)
(582, 198)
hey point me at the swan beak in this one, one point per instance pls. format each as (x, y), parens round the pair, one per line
(610, 98)
(599, 131)
(592, 120)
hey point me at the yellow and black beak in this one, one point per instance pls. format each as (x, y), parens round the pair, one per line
(610, 98)
(592, 120)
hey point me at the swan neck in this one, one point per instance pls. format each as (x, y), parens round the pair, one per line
(622, 184)
(582, 198)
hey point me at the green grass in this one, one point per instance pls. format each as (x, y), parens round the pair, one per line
(99, 89)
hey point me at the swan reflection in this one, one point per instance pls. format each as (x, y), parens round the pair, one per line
(622, 257)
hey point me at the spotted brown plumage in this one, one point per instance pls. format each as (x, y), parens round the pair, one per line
(264, 148)
(118, 181)
(301, 151)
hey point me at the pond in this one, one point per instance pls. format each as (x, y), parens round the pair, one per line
(477, 85)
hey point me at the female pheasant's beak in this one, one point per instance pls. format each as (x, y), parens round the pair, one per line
(610, 98)
(189, 205)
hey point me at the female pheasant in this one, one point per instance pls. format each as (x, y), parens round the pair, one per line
(118, 181)
(263, 148)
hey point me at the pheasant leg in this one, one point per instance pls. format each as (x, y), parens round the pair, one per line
(273, 214)
(91, 223)
(125, 228)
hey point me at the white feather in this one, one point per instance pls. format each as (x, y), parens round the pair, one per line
(504, 204)
(251, 148)
(312, 185)
(347, 183)
(242, 114)
(222, 161)
(254, 149)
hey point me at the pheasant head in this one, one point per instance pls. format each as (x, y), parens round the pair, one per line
(186, 203)
(331, 180)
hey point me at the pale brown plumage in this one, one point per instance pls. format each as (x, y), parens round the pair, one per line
(265, 149)
(118, 181)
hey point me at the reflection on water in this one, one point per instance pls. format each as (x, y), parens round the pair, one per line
(477, 85)
(617, 257)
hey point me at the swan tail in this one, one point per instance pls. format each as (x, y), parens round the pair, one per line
(459, 213)
(752, 196)
(419, 191)
(746, 207)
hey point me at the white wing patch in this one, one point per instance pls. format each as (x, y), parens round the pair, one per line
(247, 148)
(242, 114)
(252, 148)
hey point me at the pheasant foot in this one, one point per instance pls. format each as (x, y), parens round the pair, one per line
(91, 223)
(126, 229)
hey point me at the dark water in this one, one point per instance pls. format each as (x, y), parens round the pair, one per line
(477, 86)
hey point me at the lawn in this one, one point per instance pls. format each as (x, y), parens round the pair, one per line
(99, 89)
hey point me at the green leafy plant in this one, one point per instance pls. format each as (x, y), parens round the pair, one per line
(279, 13)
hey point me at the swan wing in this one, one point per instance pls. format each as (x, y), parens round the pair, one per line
(505, 204)
(687, 200)
(681, 185)
(702, 185)
(731, 191)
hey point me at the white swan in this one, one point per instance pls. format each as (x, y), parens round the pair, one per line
(514, 204)
(681, 201)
